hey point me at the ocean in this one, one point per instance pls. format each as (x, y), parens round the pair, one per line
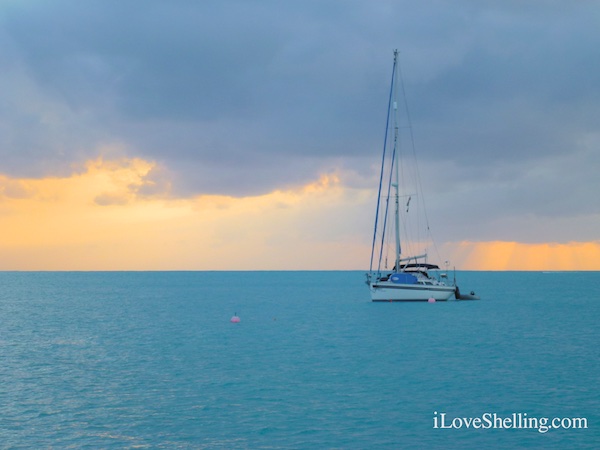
(151, 360)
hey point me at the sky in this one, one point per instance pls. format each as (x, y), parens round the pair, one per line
(246, 135)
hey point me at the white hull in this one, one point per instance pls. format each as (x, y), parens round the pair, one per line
(393, 292)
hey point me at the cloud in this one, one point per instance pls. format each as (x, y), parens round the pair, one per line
(242, 98)
(99, 218)
(502, 255)
(14, 189)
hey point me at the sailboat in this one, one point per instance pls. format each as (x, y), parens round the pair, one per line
(412, 277)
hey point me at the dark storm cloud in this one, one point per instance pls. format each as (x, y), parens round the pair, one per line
(243, 97)
(192, 83)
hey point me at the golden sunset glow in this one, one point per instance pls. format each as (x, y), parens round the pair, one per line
(520, 256)
(121, 215)
(115, 215)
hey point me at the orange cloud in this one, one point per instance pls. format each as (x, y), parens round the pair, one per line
(501, 255)
(118, 215)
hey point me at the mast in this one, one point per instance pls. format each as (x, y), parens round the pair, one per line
(381, 177)
(396, 168)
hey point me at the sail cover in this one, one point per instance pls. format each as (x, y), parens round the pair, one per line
(403, 278)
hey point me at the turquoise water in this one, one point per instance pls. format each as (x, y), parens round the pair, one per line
(151, 360)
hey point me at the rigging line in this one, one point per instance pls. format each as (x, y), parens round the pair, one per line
(418, 172)
(387, 124)
(387, 206)
(393, 160)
